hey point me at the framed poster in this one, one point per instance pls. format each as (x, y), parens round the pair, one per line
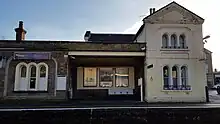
(106, 77)
(90, 77)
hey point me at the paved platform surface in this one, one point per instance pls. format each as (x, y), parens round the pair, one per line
(214, 97)
(34, 105)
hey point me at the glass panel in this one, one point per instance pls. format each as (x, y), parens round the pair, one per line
(32, 83)
(182, 41)
(173, 41)
(122, 77)
(90, 77)
(184, 76)
(166, 76)
(174, 75)
(33, 71)
(43, 71)
(33, 77)
(23, 71)
(165, 40)
(106, 77)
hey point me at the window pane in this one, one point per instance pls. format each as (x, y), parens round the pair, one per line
(173, 41)
(164, 40)
(174, 75)
(184, 75)
(33, 71)
(106, 77)
(43, 71)
(182, 41)
(23, 71)
(122, 77)
(165, 71)
(32, 83)
(90, 77)
(166, 77)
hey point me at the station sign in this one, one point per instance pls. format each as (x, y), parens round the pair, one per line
(32, 55)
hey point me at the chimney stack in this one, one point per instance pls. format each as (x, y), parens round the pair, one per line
(20, 32)
(152, 10)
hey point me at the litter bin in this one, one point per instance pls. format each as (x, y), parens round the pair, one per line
(218, 90)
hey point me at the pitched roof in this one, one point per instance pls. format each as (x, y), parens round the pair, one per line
(207, 51)
(170, 5)
(111, 37)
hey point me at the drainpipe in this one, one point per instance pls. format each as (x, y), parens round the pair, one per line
(145, 62)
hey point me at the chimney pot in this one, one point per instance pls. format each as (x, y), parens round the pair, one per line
(21, 24)
(151, 11)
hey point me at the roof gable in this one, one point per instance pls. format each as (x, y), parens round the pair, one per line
(174, 13)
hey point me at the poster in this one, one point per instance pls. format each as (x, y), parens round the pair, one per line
(106, 77)
(90, 77)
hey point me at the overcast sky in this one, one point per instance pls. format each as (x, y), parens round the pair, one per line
(69, 19)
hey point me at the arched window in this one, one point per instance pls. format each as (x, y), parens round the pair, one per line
(42, 71)
(182, 41)
(42, 76)
(173, 41)
(184, 76)
(165, 41)
(33, 75)
(166, 77)
(21, 77)
(174, 76)
(23, 71)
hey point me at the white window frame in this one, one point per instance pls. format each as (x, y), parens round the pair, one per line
(45, 82)
(179, 77)
(18, 75)
(28, 72)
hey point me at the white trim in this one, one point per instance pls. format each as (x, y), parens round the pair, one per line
(17, 76)
(46, 77)
(86, 53)
(29, 75)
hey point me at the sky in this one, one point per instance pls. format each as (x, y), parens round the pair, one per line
(70, 19)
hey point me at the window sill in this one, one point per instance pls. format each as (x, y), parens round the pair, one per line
(177, 90)
(174, 49)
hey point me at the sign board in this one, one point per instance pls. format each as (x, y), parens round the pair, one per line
(150, 66)
(32, 55)
(61, 83)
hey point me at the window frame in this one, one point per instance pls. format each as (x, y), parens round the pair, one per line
(186, 76)
(113, 73)
(176, 85)
(173, 43)
(96, 83)
(183, 37)
(168, 77)
(166, 36)
(116, 78)
(28, 76)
